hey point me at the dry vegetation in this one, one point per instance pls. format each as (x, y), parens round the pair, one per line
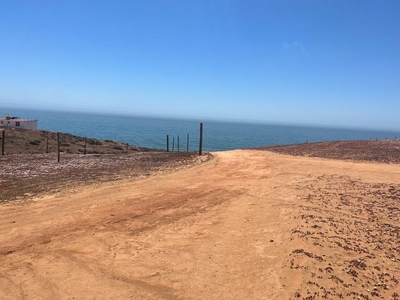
(385, 151)
(24, 141)
(27, 171)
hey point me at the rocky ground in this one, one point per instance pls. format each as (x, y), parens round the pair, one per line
(359, 222)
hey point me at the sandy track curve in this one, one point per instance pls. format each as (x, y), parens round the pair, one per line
(220, 230)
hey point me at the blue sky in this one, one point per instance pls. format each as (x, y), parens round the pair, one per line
(320, 62)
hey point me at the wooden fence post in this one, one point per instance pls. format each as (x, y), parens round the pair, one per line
(187, 143)
(84, 150)
(173, 144)
(178, 143)
(47, 144)
(58, 147)
(3, 141)
(167, 143)
(201, 139)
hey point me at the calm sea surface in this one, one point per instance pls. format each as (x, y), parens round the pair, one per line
(151, 132)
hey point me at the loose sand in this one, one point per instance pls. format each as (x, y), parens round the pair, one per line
(245, 225)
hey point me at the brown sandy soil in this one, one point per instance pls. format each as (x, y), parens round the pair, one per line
(245, 225)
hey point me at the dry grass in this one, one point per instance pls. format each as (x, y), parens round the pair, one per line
(27, 170)
(23, 141)
(385, 151)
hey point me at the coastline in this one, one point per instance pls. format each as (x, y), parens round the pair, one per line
(218, 135)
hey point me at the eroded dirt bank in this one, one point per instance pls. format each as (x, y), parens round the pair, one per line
(246, 225)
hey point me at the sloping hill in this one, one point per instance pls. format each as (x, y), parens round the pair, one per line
(22, 141)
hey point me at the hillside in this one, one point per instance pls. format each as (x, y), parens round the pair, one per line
(27, 170)
(28, 141)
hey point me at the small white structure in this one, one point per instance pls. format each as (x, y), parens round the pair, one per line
(16, 122)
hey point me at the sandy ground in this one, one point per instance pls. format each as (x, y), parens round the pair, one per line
(245, 225)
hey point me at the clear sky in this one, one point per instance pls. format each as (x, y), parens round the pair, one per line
(311, 62)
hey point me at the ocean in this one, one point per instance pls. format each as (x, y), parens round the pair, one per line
(152, 132)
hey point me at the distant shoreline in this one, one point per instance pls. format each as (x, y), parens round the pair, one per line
(219, 135)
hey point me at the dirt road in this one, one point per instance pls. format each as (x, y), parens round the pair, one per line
(246, 225)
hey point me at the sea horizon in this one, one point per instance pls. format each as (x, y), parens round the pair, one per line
(219, 134)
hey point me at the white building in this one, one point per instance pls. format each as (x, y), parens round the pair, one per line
(16, 122)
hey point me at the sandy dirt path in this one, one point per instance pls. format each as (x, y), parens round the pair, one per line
(246, 225)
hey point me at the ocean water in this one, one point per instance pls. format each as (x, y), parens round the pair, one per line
(151, 132)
